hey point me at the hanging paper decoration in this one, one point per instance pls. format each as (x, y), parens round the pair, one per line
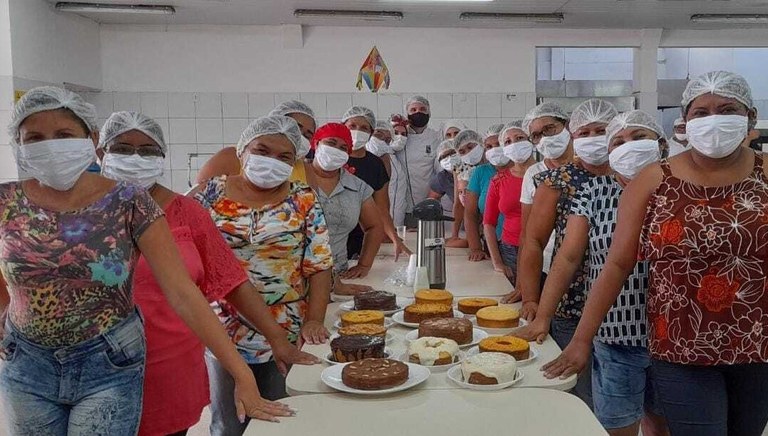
(374, 72)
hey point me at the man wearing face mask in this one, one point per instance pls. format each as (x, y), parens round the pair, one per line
(679, 143)
(418, 157)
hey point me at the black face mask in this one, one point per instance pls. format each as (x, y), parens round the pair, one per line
(418, 119)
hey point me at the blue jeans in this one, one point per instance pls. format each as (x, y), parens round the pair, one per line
(509, 257)
(622, 384)
(562, 330)
(713, 400)
(94, 387)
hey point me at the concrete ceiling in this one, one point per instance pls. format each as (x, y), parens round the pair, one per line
(668, 14)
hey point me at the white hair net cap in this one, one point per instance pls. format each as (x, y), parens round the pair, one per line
(679, 122)
(591, 111)
(292, 107)
(451, 124)
(632, 119)
(494, 130)
(547, 109)
(514, 124)
(417, 99)
(444, 146)
(122, 122)
(275, 125)
(360, 111)
(48, 98)
(467, 136)
(385, 125)
(722, 83)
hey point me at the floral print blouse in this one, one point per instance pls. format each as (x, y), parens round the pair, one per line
(69, 274)
(280, 246)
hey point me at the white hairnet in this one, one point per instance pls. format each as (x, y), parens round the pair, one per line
(679, 122)
(292, 107)
(385, 125)
(514, 124)
(591, 111)
(547, 109)
(417, 99)
(48, 98)
(722, 83)
(275, 125)
(467, 136)
(360, 111)
(632, 119)
(122, 122)
(451, 124)
(448, 144)
(494, 130)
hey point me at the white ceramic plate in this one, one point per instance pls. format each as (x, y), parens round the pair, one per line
(328, 358)
(534, 353)
(337, 298)
(477, 336)
(455, 375)
(331, 376)
(401, 303)
(437, 368)
(389, 338)
(497, 332)
(387, 323)
(398, 318)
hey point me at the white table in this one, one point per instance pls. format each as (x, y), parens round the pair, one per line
(513, 412)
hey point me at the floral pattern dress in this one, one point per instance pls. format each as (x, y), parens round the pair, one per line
(69, 274)
(280, 246)
(708, 254)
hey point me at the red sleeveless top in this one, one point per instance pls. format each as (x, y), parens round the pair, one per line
(708, 253)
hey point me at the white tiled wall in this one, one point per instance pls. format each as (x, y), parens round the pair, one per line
(7, 162)
(203, 123)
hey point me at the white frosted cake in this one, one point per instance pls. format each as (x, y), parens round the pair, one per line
(430, 351)
(489, 369)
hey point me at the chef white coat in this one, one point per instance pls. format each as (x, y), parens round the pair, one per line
(676, 148)
(419, 162)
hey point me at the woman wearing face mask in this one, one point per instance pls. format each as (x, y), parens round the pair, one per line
(73, 341)
(346, 200)
(226, 162)
(504, 198)
(679, 143)
(278, 232)
(699, 221)
(369, 168)
(620, 356)
(442, 187)
(384, 143)
(477, 190)
(176, 379)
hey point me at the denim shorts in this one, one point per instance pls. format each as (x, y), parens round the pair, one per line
(94, 387)
(509, 255)
(622, 384)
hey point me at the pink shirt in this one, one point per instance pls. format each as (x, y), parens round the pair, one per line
(176, 380)
(504, 197)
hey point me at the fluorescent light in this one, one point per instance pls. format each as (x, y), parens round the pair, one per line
(731, 18)
(113, 8)
(513, 18)
(336, 13)
(436, 1)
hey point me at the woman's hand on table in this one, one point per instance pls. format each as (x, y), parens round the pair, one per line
(350, 289)
(500, 267)
(286, 355)
(356, 272)
(401, 248)
(314, 333)
(456, 242)
(571, 361)
(512, 297)
(248, 402)
(535, 331)
(477, 255)
(528, 311)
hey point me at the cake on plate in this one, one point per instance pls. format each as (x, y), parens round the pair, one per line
(430, 351)
(514, 346)
(352, 348)
(433, 296)
(457, 329)
(374, 374)
(498, 317)
(362, 317)
(364, 330)
(489, 369)
(470, 306)
(376, 300)
(416, 313)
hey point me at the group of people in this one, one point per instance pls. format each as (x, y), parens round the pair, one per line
(129, 307)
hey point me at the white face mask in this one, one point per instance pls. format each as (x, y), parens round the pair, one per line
(592, 150)
(378, 147)
(398, 142)
(681, 136)
(631, 157)
(552, 147)
(474, 156)
(519, 152)
(496, 156)
(330, 158)
(57, 163)
(266, 172)
(359, 139)
(140, 170)
(450, 162)
(303, 149)
(717, 136)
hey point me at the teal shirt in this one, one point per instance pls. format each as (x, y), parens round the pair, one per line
(479, 184)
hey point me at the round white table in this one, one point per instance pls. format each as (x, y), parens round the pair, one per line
(525, 412)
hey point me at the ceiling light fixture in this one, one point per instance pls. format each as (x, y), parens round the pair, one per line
(114, 8)
(513, 18)
(731, 18)
(336, 13)
(436, 1)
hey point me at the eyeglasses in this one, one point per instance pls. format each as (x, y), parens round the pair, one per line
(148, 150)
(548, 130)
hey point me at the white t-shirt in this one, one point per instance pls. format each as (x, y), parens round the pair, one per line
(526, 197)
(418, 160)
